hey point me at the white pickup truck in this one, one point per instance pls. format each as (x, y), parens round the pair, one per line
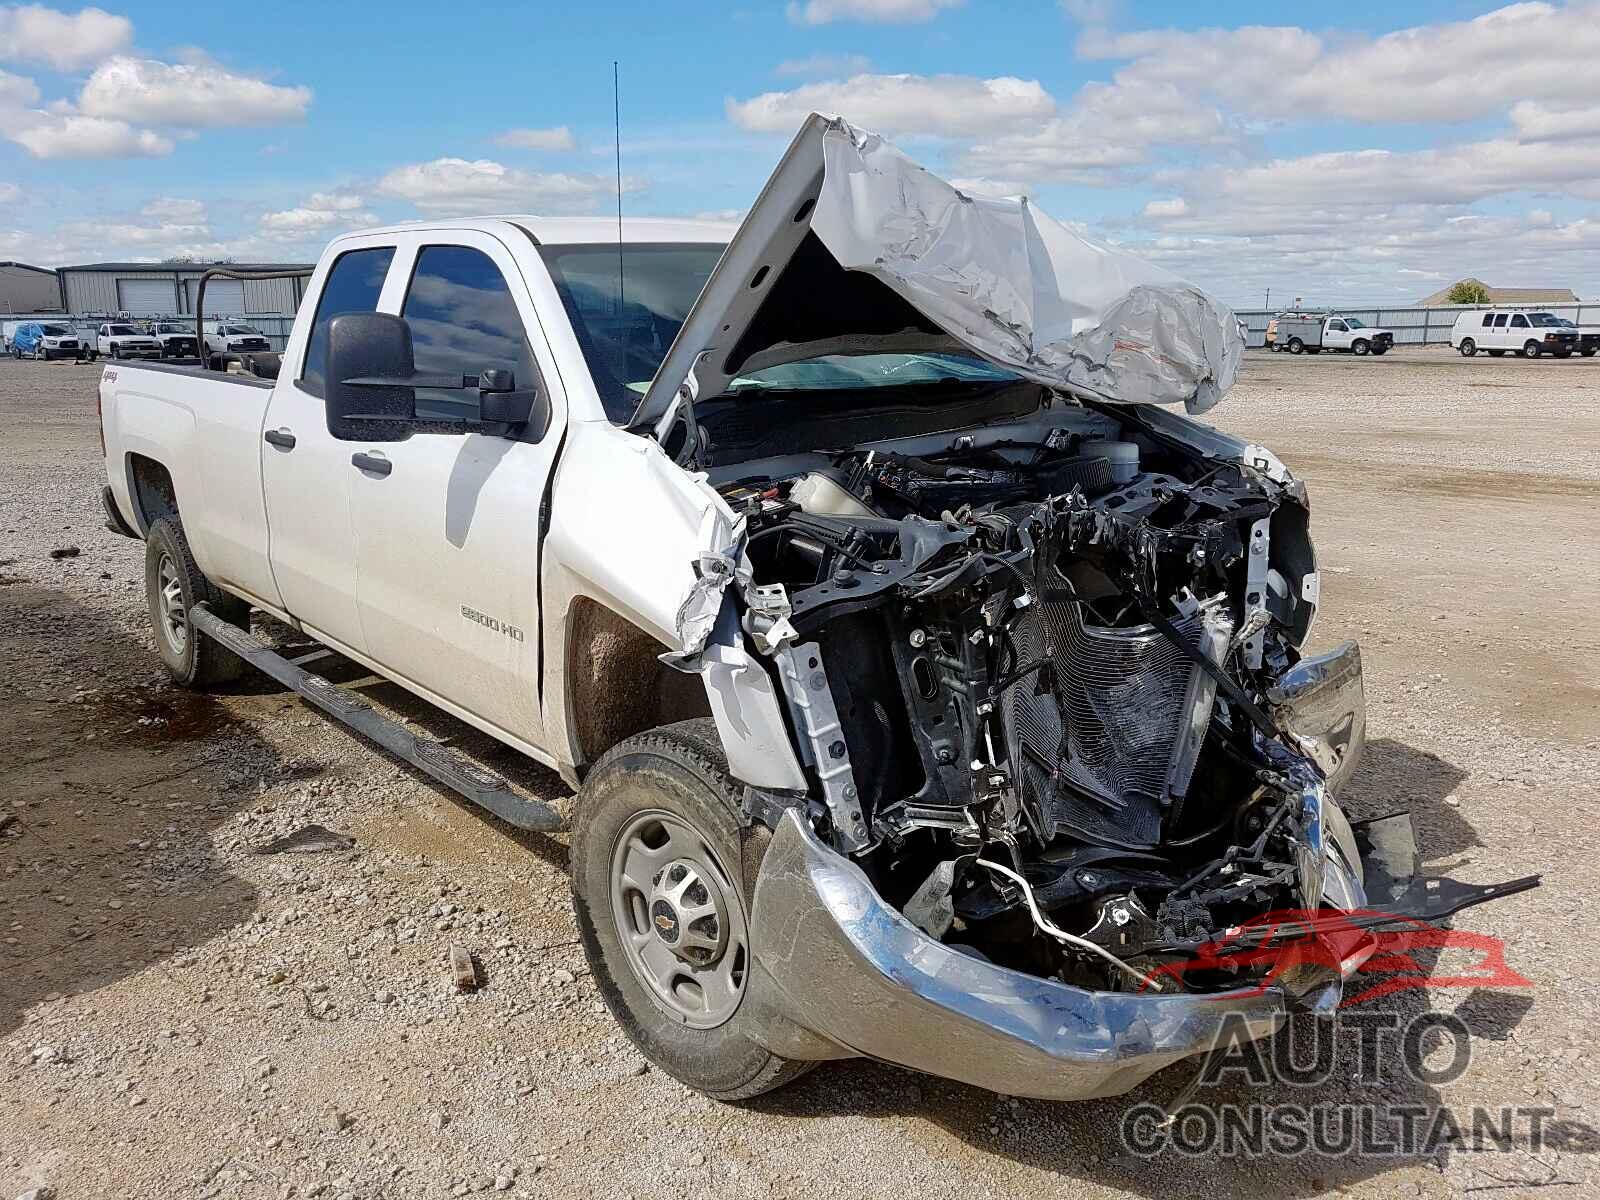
(930, 692)
(1311, 335)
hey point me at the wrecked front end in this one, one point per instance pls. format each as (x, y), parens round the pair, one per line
(1057, 737)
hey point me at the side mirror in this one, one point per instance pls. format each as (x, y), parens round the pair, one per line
(370, 347)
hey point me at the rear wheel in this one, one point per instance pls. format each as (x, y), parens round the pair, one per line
(662, 878)
(1296, 346)
(174, 584)
(1530, 349)
(1468, 347)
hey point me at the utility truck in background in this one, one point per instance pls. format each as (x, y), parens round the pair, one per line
(1314, 334)
(930, 690)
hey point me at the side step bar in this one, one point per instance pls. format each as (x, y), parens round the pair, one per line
(482, 787)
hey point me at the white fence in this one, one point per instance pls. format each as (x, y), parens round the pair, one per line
(1414, 325)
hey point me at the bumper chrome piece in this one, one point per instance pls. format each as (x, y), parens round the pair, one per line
(1321, 703)
(835, 960)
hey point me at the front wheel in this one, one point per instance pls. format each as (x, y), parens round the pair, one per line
(1360, 346)
(1530, 349)
(174, 584)
(662, 879)
(1468, 347)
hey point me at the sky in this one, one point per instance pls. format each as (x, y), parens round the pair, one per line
(1369, 160)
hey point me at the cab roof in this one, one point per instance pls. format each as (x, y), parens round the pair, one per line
(565, 231)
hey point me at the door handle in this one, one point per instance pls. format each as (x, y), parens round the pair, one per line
(375, 463)
(281, 438)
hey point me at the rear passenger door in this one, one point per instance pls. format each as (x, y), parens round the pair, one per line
(448, 524)
(305, 472)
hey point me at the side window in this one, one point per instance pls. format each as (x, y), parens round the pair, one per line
(1339, 325)
(463, 321)
(1519, 322)
(1488, 320)
(1500, 321)
(354, 284)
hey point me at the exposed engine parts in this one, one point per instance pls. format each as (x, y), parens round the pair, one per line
(1031, 681)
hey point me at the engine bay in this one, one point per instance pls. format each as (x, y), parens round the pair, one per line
(1029, 670)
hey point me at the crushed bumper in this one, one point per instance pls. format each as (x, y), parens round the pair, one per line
(855, 977)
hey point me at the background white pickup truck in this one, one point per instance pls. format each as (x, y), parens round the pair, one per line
(1310, 335)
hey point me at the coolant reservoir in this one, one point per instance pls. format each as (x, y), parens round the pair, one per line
(823, 496)
(1123, 457)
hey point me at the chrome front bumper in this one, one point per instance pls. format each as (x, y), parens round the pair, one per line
(840, 973)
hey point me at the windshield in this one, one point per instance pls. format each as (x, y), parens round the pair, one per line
(1544, 319)
(625, 324)
(1354, 324)
(56, 330)
(173, 329)
(122, 329)
(239, 329)
(833, 372)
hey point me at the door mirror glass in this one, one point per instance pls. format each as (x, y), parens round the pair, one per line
(365, 351)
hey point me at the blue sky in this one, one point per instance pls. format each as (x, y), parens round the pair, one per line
(1375, 159)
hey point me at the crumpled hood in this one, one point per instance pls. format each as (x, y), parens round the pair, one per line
(895, 258)
(1021, 289)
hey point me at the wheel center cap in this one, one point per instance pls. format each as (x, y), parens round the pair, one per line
(686, 913)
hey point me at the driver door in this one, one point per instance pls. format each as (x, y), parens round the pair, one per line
(448, 525)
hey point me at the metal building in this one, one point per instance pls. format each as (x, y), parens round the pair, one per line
(167, 289)
(27, 289)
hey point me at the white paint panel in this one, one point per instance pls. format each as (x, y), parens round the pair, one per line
(146, 297)
(224, 297)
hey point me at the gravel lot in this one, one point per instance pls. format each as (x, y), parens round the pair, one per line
(182, 1016)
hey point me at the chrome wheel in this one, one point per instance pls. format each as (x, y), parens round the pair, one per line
(174, 612)
(679, 918)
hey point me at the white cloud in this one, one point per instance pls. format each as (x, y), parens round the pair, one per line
(10, 193)
(1453, 71)
(63, 41)
(1175, 207)
(824, 66)
(17, 91)
(457, 185)
(54, 135)
(558, 138)
(321, 212)
(946, 105)
(1535, 122)
(170, 208)
(881, 12)
(196, 95)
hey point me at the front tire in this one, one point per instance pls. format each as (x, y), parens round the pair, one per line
(1360, 346)
(1468, 347)
(1530, 349)
(663, 875)
(174, 584)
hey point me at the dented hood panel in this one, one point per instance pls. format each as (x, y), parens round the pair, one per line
(996, 276)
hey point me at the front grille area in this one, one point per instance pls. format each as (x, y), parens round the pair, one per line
(1094, 757)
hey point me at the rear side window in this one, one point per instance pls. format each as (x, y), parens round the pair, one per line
(1500, 321)
(354, 285)
(463, 322)
(1488, 320)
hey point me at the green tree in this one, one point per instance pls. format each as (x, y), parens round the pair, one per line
(1468, 291)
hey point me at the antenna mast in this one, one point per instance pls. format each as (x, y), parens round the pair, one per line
(616, 118)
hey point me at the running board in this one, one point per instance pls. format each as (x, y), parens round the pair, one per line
(483, 787)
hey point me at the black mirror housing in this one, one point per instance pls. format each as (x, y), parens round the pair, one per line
(370, 346)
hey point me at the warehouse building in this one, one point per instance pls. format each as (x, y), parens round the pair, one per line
(168, 289)
(1503, 296)
(26, 289)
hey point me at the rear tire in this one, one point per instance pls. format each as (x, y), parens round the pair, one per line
(668, 793)
(174, 584)
(1530, 349)
(1296, 346)
(1468, 347)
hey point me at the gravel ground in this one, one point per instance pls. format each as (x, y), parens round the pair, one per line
(183, 1016)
